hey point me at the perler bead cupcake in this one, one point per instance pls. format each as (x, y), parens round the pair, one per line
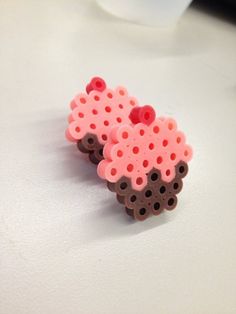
(93, 115)
(145, 162)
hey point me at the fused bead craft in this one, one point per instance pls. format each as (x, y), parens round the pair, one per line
(144, 163)
(143, 157)
(95, 113)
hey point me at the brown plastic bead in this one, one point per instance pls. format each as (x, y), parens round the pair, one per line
(132, 199)
(129, 211)
(89, 141)
(93, 158)
(154, 176)
(171, 202)
(141, 213)
(181, 169)
(111, 186)
(175, 186)
(120, 198)
(82, 148)
(123, 186)
(157, 207)
(90, 145)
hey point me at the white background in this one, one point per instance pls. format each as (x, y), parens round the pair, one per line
(66, 246)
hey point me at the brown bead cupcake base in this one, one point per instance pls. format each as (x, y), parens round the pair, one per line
(154, 198)
(90, 145)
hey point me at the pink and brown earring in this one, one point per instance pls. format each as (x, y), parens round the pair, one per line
(142, 157)
(145, 162)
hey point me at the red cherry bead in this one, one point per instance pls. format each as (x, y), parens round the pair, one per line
(147, 114)
(134, 115)
(88, 88)
(96, 83)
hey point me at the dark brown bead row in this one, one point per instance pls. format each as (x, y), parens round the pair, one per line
(154, 198)
(90, 145)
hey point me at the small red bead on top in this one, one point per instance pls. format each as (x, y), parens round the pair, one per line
(134, 115)
(145, 114)
(96, 83)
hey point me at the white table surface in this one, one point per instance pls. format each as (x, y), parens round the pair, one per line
(66, 246)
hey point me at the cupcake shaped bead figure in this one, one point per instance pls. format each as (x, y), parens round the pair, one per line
(145, 162)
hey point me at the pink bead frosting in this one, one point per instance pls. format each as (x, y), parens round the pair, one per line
(133, 150)
(99, 111)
